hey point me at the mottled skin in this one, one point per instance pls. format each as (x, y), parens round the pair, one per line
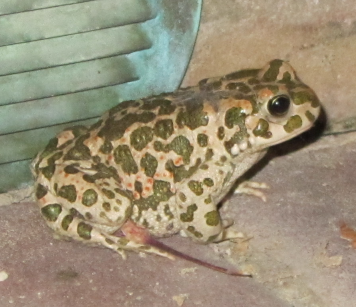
(160, 165)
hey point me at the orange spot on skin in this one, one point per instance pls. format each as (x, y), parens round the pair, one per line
(265, 93)
(148, 189)
(129, 185)
(150, 180)
(239, 103)
(178, 161)
(348, 233)
(136, 195)
(162, 158)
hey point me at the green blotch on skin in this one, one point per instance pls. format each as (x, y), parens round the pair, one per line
(154, 103)
(41, 191)
(223, 159)
(89, 178)
(96, 159)
(49, 170)
(89, 198)
(123, 157)
(115, 129)
(293, 123)
(166, 108)
(51, 212)
(287, 77)
(108, 193)
(109, 241)
(79, 151)
(221, 133)
(237, 138)
(210, 84)
(189, 215)
(192, 117)
(145, 225)
(272, 72)
(123, 242)
(180, 172)
(138, 186)
(84, 230)
(106, 148)
(227, 178)
(78, 130)
(106, 206)
(71, 169)
(141, 137)
(204, 166)
(49, 149)
(182, 197)
(149, 164)
(66, 221)
(68, 192)
(181, 146)
(241, 74)
(167, 211)
(122, 106)
(209, 154)
(208, 200)
(162, 190)
(196, 233)
(102, 171)
(164, 128)
(202, 140)
(76, 213)
(96, 125)
(302, 97)
(208, 182)
(240, 86)
(234, 116)
(262, 129)
(159, 146)
(212, 238)
(212, 218)
(161, 193)
(310, 116)
(196, 187)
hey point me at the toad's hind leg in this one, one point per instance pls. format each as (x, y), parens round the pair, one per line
(70, 224)
(89, 207)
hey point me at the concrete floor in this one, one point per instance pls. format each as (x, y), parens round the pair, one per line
(294, 250)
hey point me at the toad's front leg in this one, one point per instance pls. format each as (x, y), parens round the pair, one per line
(198, 213)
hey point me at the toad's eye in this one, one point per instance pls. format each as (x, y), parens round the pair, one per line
(279, 105)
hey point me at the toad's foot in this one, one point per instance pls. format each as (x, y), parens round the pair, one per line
(142, 237)
(251, 188)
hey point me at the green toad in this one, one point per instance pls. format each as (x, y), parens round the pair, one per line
(157, 166)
